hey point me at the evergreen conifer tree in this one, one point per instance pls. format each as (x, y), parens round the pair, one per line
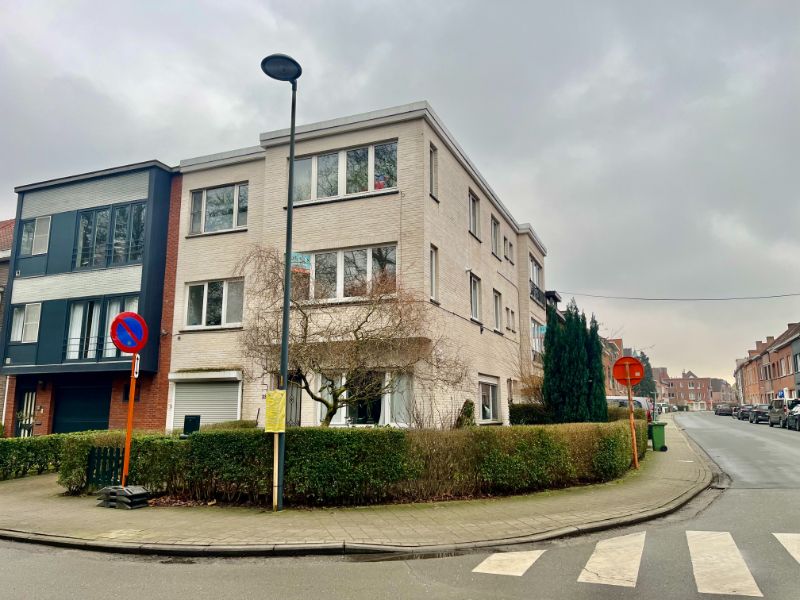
(597, 375)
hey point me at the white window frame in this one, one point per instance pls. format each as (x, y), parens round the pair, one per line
(27, 323)
(236, 226)
(340, 271)
(474, 216)
(433, 166)
(495, 236)
(497, 297)
(534, 270)
(513, 322)
(496, 417)
(475, 297)
(342, 166)
(202, 325)
(510, 252)
(340, 417)
(537, 341)
(434, 273)
(38, 235)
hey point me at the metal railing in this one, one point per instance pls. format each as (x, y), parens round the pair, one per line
(537, 294)
(92, 348)
(91, 260)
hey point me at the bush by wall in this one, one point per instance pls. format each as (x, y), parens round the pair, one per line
(529, 414)
(22, 456)
(362, 466)
(620, 413)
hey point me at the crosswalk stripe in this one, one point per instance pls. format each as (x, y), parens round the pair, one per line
(615, 561)
(718, 565)
(790, 541)
(508, 563)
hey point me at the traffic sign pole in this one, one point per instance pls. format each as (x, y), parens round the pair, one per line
(630, 418)
(129, 430)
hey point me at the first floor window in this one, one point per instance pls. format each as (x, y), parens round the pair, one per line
(215, 304)
(475, 297)
(357, 174)
(25, 323)
(352, 273)
(114, 306)
(35, 236)
(84, 339)
(498, 311)
(221, 208)
(488, 399)
(386, 166)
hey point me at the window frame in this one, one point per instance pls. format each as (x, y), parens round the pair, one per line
(534, 271)
(36, 221)
(341, 417)
(204, 312)
(497, 299)
(494, 403)
(342, 172)
(537, 340)
(25, 321)
(235, 208)
(433, 168)
(108, 254)
(495, 237)
(84, 340)
(474, 216)
(340, 283)
(434, 273)
(475, 298)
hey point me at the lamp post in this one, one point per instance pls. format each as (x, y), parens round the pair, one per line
(285, 68)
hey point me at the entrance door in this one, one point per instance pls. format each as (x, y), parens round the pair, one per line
(25, 412)
(81, 408)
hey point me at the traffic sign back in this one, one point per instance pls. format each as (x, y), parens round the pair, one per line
(628, 370)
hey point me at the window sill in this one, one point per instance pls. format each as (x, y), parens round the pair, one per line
(435, 198)
(498, 332)
(435, 301)
(210, 233)
(491, 423)
(206, 329)
(475, 236)
(476, 321)
(132, 263)
(497, 257)
(332, 199)
(335, 301)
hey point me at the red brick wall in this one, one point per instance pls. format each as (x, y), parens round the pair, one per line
(43, 422)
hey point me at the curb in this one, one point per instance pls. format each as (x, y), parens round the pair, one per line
(347, 548)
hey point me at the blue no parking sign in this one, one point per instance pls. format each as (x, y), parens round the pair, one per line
(129, 332)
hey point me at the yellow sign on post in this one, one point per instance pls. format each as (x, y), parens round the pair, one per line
(275, 416)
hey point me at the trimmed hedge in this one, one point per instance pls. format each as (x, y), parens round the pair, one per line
(537, 414)
(328, 466)
(21, 456)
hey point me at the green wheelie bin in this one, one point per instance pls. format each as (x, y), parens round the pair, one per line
(658, 436)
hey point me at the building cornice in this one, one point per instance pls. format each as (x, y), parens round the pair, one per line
(94, 175)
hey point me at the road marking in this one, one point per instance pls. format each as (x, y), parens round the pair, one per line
(790, 541)
(615, 561)
(508, 563)
(718, 565)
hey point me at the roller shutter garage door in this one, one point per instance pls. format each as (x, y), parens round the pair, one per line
(214, 401)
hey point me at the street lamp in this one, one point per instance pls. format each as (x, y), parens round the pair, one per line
(285, 68)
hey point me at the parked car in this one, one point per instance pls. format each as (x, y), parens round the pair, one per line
(793, 420)
(760, 412)
(779, 410)
(638, 403)
(723, 410)
(744, 412)
(735, 412)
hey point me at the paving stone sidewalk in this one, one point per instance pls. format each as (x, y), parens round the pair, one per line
(32, 509)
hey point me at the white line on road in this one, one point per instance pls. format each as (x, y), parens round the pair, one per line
(718, 565)
(615, 561)
(790, 541)
(508, 563)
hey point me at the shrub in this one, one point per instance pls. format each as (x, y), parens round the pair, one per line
(22, 456)
(620, 413)
(529, 414)
(241, 424)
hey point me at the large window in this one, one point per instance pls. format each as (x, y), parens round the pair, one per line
(35, 236)
(352, 273)
(110, 235)
(25, 323)
(84, 339)
(383, 399)
(215, 304)
(344, 172)
(474, 215)
(221, 208)
(475, 297)
(490, 407)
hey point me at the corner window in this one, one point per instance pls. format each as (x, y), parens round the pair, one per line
(495, 237)
(475, 297)
(498, 310)
(474, 215)
(433, 169)
(215, 304)
(434, 272)
(25, 323)
(344, 172)
(490, 409)
(35, 236)
(222, 208)
(351, 273)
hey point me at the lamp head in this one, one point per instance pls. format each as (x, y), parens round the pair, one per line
(281, 67)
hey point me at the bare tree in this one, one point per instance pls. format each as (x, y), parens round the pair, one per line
(345, 354)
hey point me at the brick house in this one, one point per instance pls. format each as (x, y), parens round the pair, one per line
(690, 391)
(771, 368)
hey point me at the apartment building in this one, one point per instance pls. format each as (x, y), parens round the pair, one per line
(661, 380)
(6, 241)
(690, 391)
(86, 248)
(771, 368)
(389, 190)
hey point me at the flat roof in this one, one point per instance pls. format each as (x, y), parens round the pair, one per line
(93, 175)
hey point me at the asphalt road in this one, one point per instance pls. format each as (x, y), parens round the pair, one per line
(721, 542)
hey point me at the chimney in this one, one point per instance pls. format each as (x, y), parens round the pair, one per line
(770, 339)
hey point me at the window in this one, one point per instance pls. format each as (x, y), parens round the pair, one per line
(433, 167)
(25, 323)
(83, 338)
(221, 208)
(35, 236)
(505, 247)
(488, 401)
(474, 215)
(434, 273)
(110, 235)
(383, 398)
(511, 318)
(128, 242)
(537, 340)
(114, 306)
(498, 310)
(475, 297)
(495, 237)
(345, 172)
(93, 235)
(782, 368)
(691, 396)
(510, 252)
(215, 304)
(535, 271)
(351, 273)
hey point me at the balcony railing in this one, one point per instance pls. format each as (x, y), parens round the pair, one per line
(108, 257)
(537, 294)
(91, 348)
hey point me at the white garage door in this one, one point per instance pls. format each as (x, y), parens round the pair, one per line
(214, 401)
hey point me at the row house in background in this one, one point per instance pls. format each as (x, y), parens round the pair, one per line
(612, 350)
(389, 190)
(661, 380)
(86, 248)
(6, 241)
(690, 391)
(772, 368)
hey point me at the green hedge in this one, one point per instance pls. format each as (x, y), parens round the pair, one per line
(529, 414)
(328, 466)
(22, 456)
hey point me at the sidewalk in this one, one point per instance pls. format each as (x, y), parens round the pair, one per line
(32, 510)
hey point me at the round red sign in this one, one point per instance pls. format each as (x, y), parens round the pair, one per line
(129, 332)
(628, 370)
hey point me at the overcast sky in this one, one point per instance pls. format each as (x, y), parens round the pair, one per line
(654, 146)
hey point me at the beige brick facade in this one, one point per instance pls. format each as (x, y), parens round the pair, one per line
(409, 217)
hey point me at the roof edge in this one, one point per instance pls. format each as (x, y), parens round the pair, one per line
(94, 175)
